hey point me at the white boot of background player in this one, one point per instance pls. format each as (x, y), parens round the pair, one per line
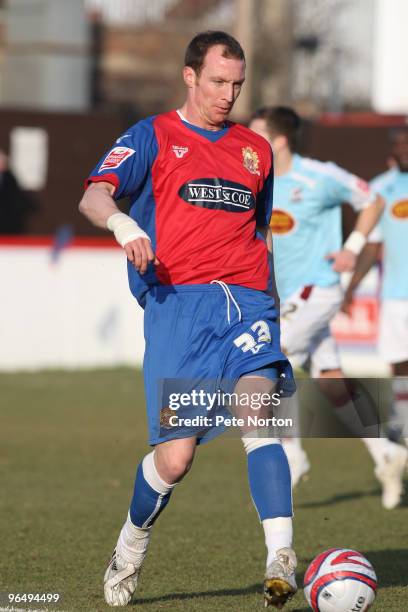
(297, 458)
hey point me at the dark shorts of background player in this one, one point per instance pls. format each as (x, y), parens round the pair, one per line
(190, 332)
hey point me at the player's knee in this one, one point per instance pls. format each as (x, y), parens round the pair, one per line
(173, 462)
(178, 466)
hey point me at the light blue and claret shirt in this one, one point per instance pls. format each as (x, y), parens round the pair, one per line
(306, 221)
(392, 230)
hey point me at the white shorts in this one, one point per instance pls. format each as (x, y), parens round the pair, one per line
(393, 336)
(305, 328)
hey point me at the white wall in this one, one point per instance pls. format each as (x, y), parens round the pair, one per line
(390, 83)
(77, 312)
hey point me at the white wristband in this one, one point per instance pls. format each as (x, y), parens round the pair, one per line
(125, 228)
(355, 242)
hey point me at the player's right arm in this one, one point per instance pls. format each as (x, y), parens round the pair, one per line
(98, 204)
(100, 208)
(345, 260)
(122, 172)
(346, 187)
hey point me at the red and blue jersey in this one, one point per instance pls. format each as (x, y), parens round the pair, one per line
(199, 195)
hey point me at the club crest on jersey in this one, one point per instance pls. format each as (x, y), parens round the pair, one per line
(399, 210)
(179, 152)
(116, 157)
(250, 160)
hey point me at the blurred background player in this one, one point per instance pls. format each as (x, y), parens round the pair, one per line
(201, 188)
(392, 234)
(309, 257)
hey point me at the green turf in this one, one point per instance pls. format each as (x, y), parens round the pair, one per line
(69, 443)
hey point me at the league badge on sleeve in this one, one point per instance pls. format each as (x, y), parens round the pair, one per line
(115, 158)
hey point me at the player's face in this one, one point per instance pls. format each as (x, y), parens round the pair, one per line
(214, 91)
(399, 150)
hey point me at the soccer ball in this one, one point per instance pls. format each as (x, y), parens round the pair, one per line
(340, 580)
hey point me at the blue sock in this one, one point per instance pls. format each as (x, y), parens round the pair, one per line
(269, 481)
(147, 503)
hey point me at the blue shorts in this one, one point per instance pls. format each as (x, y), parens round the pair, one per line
(199, 335)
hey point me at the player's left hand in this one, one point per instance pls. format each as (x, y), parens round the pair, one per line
(343, 261)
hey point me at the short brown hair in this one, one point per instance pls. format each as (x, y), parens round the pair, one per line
(199, 46)
(283, 121)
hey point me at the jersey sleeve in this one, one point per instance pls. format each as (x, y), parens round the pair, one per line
(127, 164)
(346, 187)
(264, 199)
(264, 203)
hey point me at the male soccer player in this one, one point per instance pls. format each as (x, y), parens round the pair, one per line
(309, 256)
(392, 232)
(197, 242)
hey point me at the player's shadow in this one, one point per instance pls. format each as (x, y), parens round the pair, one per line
(254, 588)
(351, 495)
(341, 497)
(388, 575)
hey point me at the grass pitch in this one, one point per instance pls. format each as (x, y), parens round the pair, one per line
(69, 445)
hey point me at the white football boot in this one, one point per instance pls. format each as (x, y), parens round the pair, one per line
(120, 580)
(280, 579)
(390, 473)
(298, 462)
